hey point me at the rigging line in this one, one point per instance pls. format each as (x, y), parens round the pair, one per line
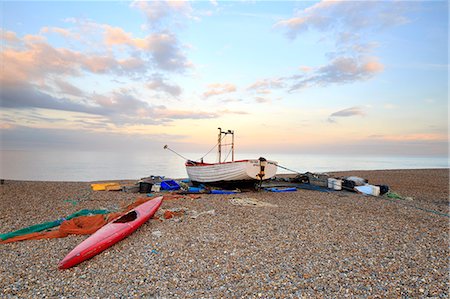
(288, 169)
(167, 148)
(229, 152)
(213, 147)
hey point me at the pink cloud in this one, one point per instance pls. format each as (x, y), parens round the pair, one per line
(266, 84)
(218, 89)
(9, 36)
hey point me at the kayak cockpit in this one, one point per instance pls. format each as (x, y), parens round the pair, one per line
(131, 216)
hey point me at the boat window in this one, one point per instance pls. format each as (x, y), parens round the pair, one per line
(127, 217)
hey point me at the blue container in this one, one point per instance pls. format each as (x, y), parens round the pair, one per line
(281, 190)
(170, 185)
(194, 189)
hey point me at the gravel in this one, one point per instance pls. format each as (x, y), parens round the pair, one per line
(313, 244)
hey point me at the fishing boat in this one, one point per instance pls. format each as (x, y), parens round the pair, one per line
(239, 171)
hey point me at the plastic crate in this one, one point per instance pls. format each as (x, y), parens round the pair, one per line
(170, 185)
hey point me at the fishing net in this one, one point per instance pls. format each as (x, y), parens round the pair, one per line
(48, 225)
(78, 225)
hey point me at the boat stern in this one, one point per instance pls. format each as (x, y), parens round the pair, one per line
(261, 169)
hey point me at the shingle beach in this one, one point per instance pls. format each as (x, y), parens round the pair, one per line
(303, 244)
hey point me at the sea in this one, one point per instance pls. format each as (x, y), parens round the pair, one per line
(85, 166)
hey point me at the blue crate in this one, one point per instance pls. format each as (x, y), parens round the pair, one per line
(170, 185)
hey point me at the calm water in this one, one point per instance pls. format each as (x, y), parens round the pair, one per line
(90, 166)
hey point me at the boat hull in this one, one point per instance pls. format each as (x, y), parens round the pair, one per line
(111, 233)
(243, 170)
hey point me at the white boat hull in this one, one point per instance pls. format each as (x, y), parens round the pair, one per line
(244, 170)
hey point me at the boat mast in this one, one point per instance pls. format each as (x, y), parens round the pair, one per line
(219, 142)
(232, 146)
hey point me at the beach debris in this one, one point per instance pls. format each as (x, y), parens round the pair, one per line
(317, 179)
(174, 213)
(250, 202)
(349, 183)
(357, 180)
(130, 188)
(335, 184)
(194, 214)
(178, 213)
(184, 186)
(157, 233)
(153, 178)
(156, 188)
(368, 190)
(113, 186)
(145, 187)
(394, 195)
(383, 189)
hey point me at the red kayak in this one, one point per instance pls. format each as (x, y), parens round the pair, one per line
(111, 233)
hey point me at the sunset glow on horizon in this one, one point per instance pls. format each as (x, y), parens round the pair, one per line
(294, 77)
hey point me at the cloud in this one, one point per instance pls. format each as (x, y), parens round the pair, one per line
(226, 111)
(32, 58)
(305, 68)
(340, 70)
(119, 107)
(266, 84)
(351, 16)
(25, 95)
(166, 52)
(218, 89)
(22, 137)
(183, 114)
(64, 32)
(350, 24)
(159, 12)
(261, 100)
(158, 83)
(67, 88)
(9, 36)
(163, 46)
(349, 112)
(36, 60)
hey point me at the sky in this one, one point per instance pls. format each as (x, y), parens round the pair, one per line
(327, 77)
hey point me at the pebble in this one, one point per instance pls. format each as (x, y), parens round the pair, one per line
(312, 244)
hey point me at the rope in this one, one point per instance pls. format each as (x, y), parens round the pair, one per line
(167, 148)
(288, 169)
(213, 147)
(416, 207)
(229, 152)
